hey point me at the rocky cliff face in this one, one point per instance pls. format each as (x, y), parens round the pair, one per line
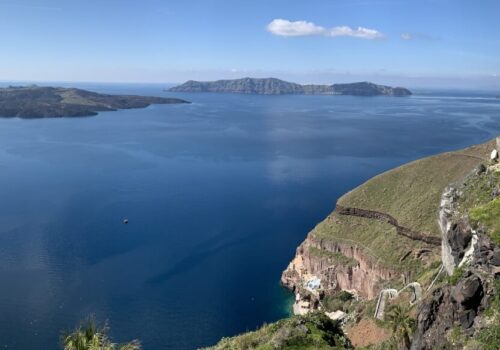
(457, 233)
(339, 266)
(453, 314)
(368, 243)
(273, 86)
(456, 313)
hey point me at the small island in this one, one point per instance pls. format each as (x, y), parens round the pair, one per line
(53, 102)
(273, 86)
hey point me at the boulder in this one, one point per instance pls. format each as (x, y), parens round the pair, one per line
(467, 318)
(494, 155)
(435, 317)
(468, 292)
(446, 308)
(459, 237)
(495, 259)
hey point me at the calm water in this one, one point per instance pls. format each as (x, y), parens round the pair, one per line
(218, 195)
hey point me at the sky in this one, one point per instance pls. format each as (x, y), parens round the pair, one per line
(426, 43)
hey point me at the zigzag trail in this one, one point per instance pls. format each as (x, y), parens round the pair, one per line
(401, 230)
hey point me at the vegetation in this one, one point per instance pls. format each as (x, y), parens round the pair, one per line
(457, 275)
(378, 240)
(402, 326)
(488, 215)
(411, 193)
(478, 189)
(312, 331)
(338, 301)
(494, 309)
(489, 337)
(481, 202)
(389, 344)
(333, 257)
(90, 337)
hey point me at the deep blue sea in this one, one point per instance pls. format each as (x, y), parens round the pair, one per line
(218, 195)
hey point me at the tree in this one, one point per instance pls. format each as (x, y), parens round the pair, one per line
(402, 326)
(89, 337)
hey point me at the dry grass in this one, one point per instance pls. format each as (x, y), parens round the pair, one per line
(377, 239)
(411, 193)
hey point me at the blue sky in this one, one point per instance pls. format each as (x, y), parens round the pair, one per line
(417, 43)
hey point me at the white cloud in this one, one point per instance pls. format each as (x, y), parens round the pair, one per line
(360, 32)
(283, 27)
(406, 36)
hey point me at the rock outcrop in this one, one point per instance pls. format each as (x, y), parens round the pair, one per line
(455, 313)
(457, 233)
(350, 269)
(273, 86)
(461, 307)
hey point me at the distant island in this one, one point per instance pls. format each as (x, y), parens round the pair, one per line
(273, 86)
(52, 102)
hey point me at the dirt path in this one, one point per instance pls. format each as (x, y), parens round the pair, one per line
(401, 230)
(365, 333)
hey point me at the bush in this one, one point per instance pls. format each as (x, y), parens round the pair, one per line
(344, 296)
(458, 273)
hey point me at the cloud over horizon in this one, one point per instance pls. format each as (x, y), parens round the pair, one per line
(286, 28)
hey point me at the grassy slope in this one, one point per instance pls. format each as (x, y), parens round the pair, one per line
(378, 240)
(481, 205)
(489, 215)
(410, 193)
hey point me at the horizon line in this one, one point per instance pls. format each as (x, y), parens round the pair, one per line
(419, 87)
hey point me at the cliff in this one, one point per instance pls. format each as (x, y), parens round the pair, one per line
(53, 102)
(464, 313)
(420, 241)
(273, 86)
(386, 229)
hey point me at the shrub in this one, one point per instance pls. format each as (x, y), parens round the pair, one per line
(458, 273)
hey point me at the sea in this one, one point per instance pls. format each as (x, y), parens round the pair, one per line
(218, 194)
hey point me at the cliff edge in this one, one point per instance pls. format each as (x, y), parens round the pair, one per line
(408, 260)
